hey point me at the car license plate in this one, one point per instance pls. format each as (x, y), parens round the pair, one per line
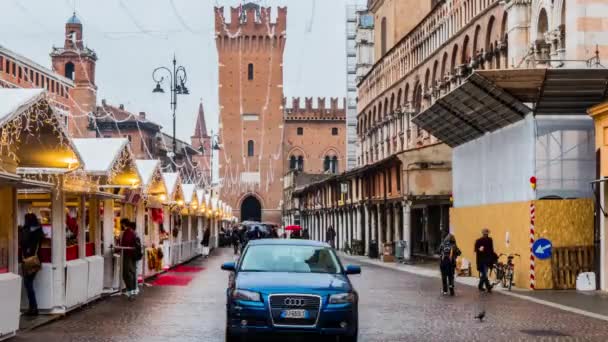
(295, 314)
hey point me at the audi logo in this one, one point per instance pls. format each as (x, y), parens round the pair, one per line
(294, 302)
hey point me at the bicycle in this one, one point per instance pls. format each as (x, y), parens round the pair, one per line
(505, 271)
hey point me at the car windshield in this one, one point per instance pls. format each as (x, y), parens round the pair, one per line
(289, 258)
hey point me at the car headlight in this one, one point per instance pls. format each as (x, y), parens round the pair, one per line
(246, 295)
(342, 298)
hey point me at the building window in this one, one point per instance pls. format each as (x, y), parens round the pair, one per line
(383, 37)
(69, 70)
(389, 177)
(37, 79)
(250, 71)
(300, 163)
(330, 164)
(250, 148)
(292, 163)
(300, 131)
(14, 69)
(20, 73)
(334, 131)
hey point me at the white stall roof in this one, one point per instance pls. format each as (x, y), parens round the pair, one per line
(99, 154)
(189, 192)
(200, 195)
(13, 101)
(146, 169)
(171, 181)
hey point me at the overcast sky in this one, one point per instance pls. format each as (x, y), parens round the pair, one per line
(132, 37)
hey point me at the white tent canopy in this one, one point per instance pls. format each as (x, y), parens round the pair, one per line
(172, 182)
(99, 155)
(189, 193)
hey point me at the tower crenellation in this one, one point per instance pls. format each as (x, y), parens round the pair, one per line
(315, 108)
(250, 20)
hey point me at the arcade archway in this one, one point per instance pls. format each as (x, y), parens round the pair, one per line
(251, 209)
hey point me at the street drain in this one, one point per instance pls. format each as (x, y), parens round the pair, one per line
(542, 333)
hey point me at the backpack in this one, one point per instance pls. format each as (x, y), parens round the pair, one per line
(446, 250)
(138, 253)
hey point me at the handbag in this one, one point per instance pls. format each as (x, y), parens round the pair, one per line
(32, 264)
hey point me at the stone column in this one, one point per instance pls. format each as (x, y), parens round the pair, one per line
(396, 215)
(389, 222)
(359, 224)
(518, 26)
(58, 247)
(407, 230)
(380, 226)
(367, 226)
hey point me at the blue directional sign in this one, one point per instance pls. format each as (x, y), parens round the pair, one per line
(541, 248)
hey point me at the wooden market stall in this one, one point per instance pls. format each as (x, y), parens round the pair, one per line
(31, 136)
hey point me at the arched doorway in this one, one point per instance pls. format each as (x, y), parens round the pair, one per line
(251, 209)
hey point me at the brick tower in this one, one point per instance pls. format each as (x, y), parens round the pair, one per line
(77, 62)
(202, 142)
(250, 49)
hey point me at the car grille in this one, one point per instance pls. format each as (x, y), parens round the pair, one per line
(280, 303)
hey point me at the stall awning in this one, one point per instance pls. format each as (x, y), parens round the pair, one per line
(150, 174)
(492, 99)
(110, 159)
(553, 91)
(474, 108)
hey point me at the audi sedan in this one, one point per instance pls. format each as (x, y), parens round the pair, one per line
(290, 287)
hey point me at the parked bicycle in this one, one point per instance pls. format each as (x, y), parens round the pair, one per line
(505, 271)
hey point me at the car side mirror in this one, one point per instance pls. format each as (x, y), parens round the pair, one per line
(353, 269)
(229, 266)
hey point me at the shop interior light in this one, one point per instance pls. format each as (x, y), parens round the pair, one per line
(162, 198)
(180, 202)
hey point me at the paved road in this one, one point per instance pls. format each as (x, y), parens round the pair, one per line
(395, 306)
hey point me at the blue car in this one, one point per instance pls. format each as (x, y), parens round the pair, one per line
(291, 287)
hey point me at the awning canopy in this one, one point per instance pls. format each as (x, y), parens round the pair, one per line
(190, 194)
(32, 134)
(173, 183)
(492, 99)
(553, 91)
(152, 182)
(109, 159)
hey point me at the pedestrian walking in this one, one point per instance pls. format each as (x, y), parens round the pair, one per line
(486, 257)
(128, 242)
(235, 240)
(205, 242)
(30, 239)
(448, 251)
(330, 235)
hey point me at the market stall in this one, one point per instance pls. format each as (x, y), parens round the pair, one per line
(189, 219)
(31, 136)
(109, 164)
(150, 222)
(172, 218)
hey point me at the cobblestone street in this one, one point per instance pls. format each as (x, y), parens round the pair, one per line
(394, 306)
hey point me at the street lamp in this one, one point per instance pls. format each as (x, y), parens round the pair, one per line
(215, 146)
(178, 78)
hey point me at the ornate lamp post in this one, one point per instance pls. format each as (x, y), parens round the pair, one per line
(177, 78)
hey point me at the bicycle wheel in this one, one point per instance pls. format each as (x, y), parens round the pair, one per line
(510, 278)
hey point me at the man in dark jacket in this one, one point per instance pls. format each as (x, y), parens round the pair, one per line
(484, 250)
(129, 263)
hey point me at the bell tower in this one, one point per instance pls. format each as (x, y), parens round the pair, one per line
(77, 62)
(250, 48)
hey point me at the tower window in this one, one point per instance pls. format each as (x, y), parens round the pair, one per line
(250, 148)
(300, 131)
(334, 131)
(250, 71)
(69, 70)
(292, 163)
(300, 163)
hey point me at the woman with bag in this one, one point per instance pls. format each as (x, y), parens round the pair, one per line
(31, 236)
